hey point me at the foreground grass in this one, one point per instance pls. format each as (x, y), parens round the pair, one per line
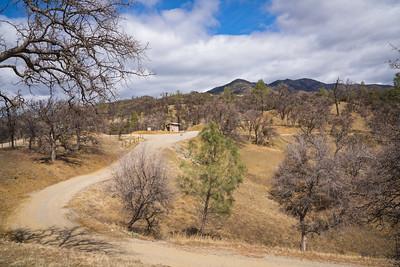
(18, 254)
(253, 250)
(24, 171)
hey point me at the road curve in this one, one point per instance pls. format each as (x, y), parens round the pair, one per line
(47, 208)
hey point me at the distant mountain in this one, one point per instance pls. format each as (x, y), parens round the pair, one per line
(240, 86)
(304, 84)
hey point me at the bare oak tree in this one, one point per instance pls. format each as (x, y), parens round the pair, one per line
(282, 101)
(76, 46)
(9, 107)
(30, 122)
(313, 114)
(340, 129)
(54, 129)
(305, 185)
(141, 182)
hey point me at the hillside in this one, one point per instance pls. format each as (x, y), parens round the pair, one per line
(304, 84)
(239, 86)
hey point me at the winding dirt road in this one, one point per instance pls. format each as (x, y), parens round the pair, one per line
(47, 208)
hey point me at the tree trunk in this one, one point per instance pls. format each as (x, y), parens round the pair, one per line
(12, 139)
(12, 143)
(78, 139)
(53, 154)
(303, 242)
(205, 212)
(256, 135)
(30, 142)
(335, 94)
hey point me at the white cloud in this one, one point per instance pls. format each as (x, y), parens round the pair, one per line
(315, 39)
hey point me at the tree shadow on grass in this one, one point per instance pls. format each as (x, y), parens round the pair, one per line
(71, 238)
(65, 157)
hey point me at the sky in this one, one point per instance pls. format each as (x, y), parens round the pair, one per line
(200, 44)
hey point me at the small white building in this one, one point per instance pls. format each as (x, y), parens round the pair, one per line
(173, 127)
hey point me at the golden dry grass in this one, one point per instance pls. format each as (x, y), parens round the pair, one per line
(23, 171)
(254, 250)
(18, 254)
(197, 127)
(255, 218)
(99, 210)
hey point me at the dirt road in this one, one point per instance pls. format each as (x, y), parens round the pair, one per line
(47, 208)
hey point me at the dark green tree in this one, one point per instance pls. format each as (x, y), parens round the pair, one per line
(213, 174)
(260, 93)
(228, 95)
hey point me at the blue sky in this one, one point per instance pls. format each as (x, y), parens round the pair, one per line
(200, 44)
(234, 16)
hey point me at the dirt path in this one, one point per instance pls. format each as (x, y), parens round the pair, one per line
(47, 208)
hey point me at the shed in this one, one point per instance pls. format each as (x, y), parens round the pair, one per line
(173, 127)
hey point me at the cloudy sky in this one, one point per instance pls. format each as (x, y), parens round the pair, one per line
(200, 44)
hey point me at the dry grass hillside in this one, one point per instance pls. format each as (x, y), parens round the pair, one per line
(255, 218)
(24, 171)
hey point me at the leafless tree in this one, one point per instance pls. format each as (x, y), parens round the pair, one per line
(382, 186)
(10, 109)
(313, 114)
(76, 46)
(353, 163)
(380, 191)
(336, 93)
(141, 182)
(55, 130)
(385, 123)
(84, 120)
(340, 129)
(259, 123)
(266, 132)
(155, 120)
(225, 115)
(282, 101)
(30, 121)
(249, 120)
(305, 185)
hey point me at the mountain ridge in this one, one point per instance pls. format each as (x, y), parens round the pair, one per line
(240, 86)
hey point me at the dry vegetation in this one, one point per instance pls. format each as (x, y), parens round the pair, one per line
(17, 254)
(24, 171)
(255, 219)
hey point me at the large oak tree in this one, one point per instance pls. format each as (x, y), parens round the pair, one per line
(75, 46)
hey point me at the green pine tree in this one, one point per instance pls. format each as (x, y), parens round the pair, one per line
(261, 92)
(228, 95)
(213, 174)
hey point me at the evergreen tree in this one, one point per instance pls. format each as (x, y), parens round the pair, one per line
(261, 92)
(214, 173)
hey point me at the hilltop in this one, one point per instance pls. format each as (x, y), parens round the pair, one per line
(240, 86)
